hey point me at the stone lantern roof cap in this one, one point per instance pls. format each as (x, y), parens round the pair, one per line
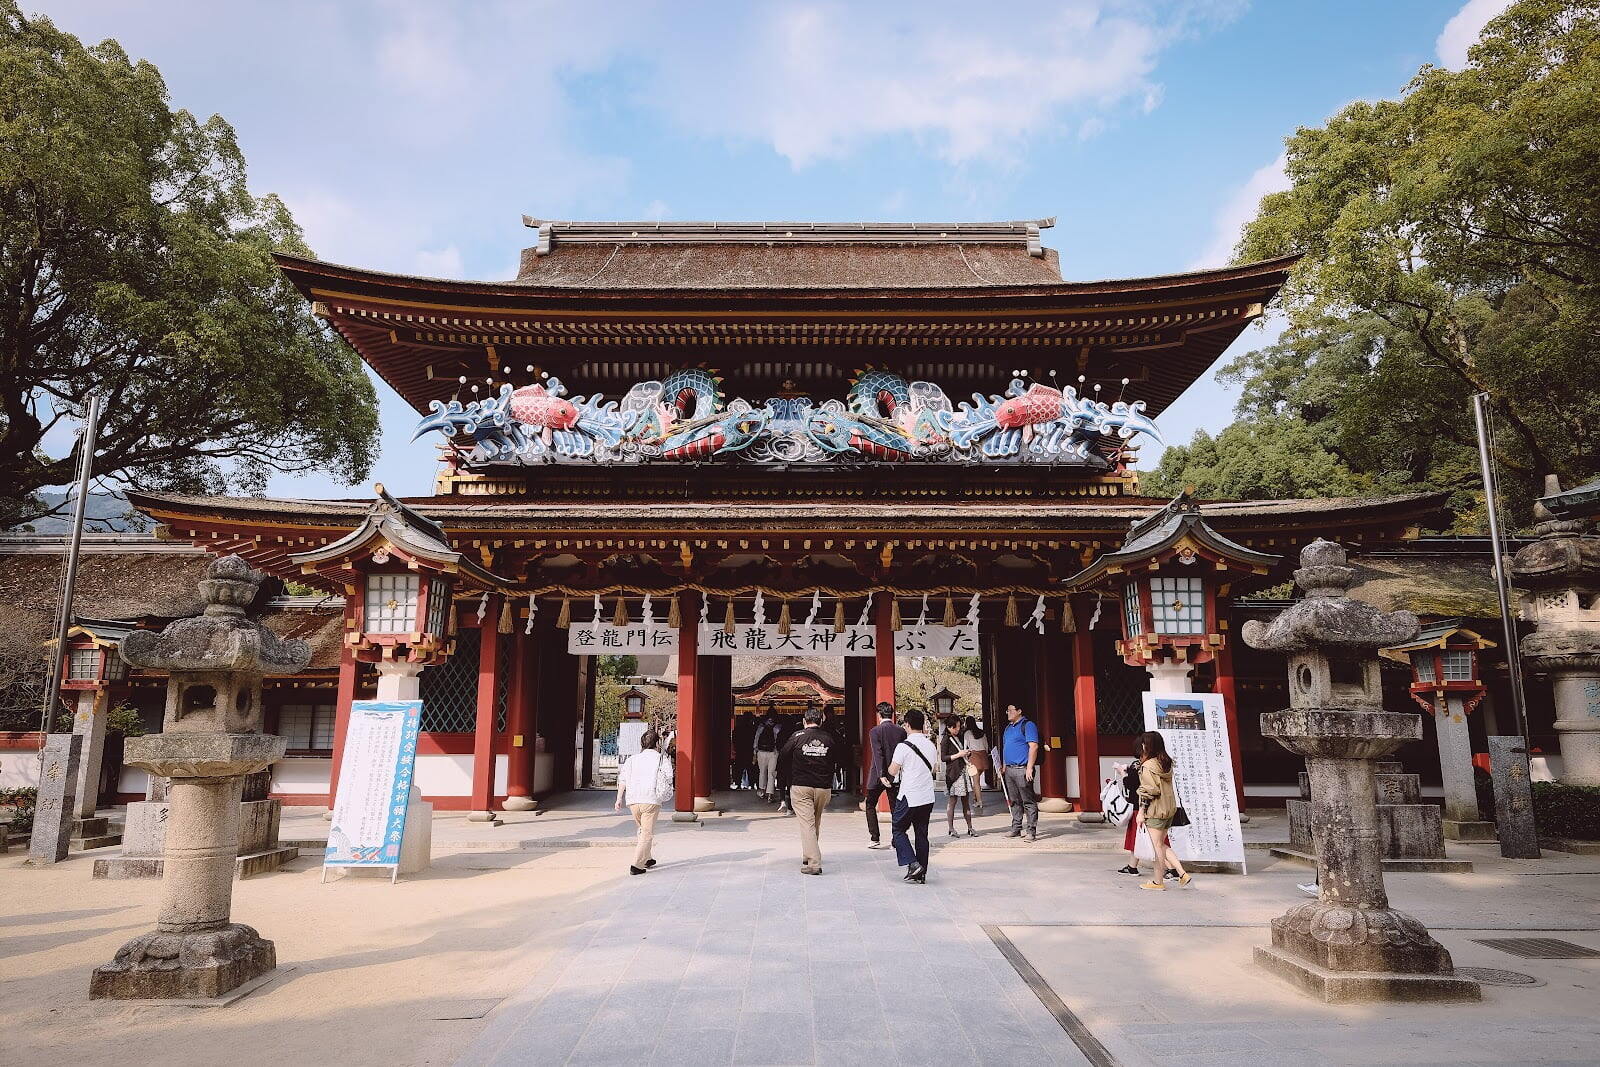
(223, 638)
(1327, 619)
(1566, 552)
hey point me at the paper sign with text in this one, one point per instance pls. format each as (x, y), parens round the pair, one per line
(1195, 728)
(380, 755)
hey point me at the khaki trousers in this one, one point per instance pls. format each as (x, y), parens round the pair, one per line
(645, 816)
(809, 803)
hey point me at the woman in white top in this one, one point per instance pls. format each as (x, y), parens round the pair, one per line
(976, 742)
(641, 783)
(912, 765)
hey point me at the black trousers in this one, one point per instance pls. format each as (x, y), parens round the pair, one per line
(914, 819)
(876, 789)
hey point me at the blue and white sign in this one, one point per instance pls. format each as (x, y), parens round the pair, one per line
(369, 812)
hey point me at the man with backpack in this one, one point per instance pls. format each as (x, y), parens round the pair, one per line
(766, 746)
(1019, 751)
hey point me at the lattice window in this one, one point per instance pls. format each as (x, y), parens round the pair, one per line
(1119, 698)
(391, 604)
(450, 690)
(1131, 626)
(1457, 665)
(502, 689)
(438, 605)
(307, 727)
(1178, 605)
(83, 664)
(1425, 668)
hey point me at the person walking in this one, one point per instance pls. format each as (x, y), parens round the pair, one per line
(955, 754)
(807, 762)
(882, 740)
(976, 741)
(1158, 803)
(1019, 751)
(766, 746)
(912, 767)
(641, 783)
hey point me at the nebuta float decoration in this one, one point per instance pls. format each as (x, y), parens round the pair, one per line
(883, 417)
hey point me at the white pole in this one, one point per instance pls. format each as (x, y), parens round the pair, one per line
(1502, 584)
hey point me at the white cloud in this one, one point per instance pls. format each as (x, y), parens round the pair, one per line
(441, 263)
(1240, 208)
(1461, 32)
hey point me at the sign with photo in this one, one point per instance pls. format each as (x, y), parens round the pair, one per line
(369, 812)
(1195, 729)
(604, 639)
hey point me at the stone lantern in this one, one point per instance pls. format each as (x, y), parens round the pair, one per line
(211, 739)
(1348, 944)
(1560, 578)
(1445, 681)
(943, 703)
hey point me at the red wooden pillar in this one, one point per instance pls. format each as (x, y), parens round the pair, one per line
(863, 710)
(883, 643)
(483, 735)
(519, 724)
(688, 705)
(1085, 709)
(1228, 688)
(707, 671)
(1052, 713)
(341, 717)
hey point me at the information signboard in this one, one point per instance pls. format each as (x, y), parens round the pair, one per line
(369, 812)
(1195, 728)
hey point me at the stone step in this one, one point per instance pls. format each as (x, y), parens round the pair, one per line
(119, 867)
(1469, 831)
(1442, 865)
(103, 840)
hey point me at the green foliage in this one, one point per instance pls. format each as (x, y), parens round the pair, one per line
(135, 262)
(1567, 810)
(913, 687)
(1451, 245)
(971, 666)
(22, 800)
(1272, 458)
(124, 719)
(617, 666)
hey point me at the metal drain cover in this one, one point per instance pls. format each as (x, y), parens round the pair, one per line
(1539, 948)
(1496, 976)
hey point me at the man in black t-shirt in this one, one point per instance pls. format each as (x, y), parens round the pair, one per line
(808, 761)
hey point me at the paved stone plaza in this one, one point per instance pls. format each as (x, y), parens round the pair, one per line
(530, 943)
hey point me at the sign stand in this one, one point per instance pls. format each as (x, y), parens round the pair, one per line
(375, 787)
(1195, 728)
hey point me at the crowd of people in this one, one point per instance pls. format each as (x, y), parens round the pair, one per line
(800, 768)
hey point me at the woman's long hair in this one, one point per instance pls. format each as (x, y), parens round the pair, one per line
(974, 727)
(1153, 746)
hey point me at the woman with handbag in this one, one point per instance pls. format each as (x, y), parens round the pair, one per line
(644, 783)
(956, 785)
(1158, 808)
(973, 739)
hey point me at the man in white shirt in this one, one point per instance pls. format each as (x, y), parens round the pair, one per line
(912, 766)
(641, 782)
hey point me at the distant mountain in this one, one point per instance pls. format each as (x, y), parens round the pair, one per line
(106, 513)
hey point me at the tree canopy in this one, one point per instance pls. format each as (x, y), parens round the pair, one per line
(1451, 245)
(135, 263)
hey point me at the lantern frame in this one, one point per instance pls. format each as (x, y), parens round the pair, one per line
(633, 704)
(942, 696)
(1437, 646)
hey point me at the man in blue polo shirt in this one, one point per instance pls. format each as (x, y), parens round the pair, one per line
(1019, 750)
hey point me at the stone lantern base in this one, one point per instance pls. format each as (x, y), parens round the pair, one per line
(184, 966)
(1342, 953)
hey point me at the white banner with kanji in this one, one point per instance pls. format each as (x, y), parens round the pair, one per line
(369, 812)
(1195, 728)
(605, 639)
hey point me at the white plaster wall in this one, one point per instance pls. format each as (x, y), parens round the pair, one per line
(302, 774)
(19, 768)
(132, 780)
(445, 776)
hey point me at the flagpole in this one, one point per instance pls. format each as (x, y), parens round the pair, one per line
(1502, 584)
(86, 442)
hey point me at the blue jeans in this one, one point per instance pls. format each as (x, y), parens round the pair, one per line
(915, 818)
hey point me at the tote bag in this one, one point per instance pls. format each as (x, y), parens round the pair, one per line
(1115, 803)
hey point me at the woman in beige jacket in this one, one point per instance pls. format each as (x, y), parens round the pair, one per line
(1158, 803)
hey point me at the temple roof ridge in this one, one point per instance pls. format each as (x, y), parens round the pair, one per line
(1017, 231)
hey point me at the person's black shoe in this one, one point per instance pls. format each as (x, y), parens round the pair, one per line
(1172, 872)
(1128, 869)
(1033, 835)
(917, 874)
(1014, 833)
(649, 863)
(635, 870)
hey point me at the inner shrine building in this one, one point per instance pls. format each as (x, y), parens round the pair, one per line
(828, 445)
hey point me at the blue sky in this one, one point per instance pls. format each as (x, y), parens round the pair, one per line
(411, 136)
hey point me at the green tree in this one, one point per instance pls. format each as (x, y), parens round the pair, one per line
(1451, 244)
(135, 263)
(1274, 457)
